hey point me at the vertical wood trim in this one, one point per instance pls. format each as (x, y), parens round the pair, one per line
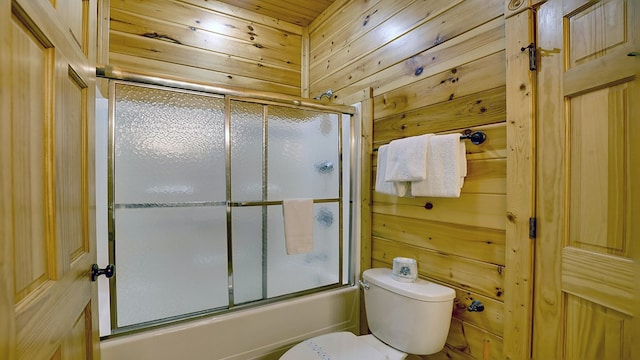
(7, 313)
(515, 7)
(520, 187)
(548, 331)
(304, 63)
(102, 43)
(366, 190)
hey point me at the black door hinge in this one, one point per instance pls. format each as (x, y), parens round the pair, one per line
(532, 56)
(533, 228)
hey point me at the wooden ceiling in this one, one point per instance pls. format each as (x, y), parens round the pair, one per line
(300, 12)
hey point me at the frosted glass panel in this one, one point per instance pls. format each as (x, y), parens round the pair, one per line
(169, 146)
(292, 273)
(170, 261)
(247, 121)
(247, 253)
(302, 154)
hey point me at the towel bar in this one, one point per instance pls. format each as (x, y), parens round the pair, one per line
(476, 137)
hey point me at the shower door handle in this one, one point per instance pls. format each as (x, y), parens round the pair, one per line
(108, 271)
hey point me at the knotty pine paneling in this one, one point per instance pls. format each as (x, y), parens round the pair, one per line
(211, 41)
(472, 242)
(292, 11)
(432, 67)
(475, 77)
(473, 110)
(471, 45)
(364, 57)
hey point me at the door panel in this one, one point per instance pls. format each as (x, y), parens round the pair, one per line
(47, 201)
(595, 332)
(587, 252)
(32, 261)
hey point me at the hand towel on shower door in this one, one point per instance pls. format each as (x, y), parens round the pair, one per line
(298, 225)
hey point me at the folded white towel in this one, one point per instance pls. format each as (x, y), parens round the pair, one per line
(298, 225)
(406, 159)
(387, 187)
(446, 168)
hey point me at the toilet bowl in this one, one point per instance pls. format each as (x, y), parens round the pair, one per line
(343, 346)
(404, 318)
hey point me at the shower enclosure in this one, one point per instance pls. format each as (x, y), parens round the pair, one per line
(197, 177)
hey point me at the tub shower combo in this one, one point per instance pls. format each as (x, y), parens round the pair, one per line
(197, 178)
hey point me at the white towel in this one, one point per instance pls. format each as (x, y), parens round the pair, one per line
(298, 225)
(387, 187)
(406, 159)
(446, 168)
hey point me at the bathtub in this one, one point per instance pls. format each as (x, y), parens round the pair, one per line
(264, 332)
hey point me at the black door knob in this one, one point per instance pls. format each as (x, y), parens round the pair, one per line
(108, 271)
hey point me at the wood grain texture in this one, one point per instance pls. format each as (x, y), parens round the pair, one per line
(183, 38)
(521, 132)
(367, 57)
(31, 229)
(282, 51)
(471, 242)
(292, 11)
(548, 340)
(482, 74)
(479, 42)
(366, 150)
(231, 9)
(160, 68)
(7, 280)
(469, 111)
(588, 299)
(54, 167)
(587, 322)
(359, 17)
(475, 276)
(472, 340)
(600, 278)
(433, 67)
(172, 53)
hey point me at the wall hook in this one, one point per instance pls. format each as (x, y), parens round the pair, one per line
(327, 93)
(476, 306)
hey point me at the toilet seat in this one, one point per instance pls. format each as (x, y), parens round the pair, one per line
(342, 346)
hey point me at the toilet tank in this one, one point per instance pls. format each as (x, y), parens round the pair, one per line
(411, 317)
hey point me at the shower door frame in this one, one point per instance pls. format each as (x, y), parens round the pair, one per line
(265, 99)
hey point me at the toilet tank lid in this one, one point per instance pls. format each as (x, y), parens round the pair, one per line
(420, 289)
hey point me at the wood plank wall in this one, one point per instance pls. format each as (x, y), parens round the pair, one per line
(434, 66)
(206, 41)
(429, 66)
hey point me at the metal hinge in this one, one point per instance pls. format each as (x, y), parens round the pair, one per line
(532, 56)
(532, 228)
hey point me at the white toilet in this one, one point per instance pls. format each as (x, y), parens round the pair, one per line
(404, 318)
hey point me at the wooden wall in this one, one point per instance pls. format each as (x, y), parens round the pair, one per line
(433, 66)
(206, 41)
(426, 66)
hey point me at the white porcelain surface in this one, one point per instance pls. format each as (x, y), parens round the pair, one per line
(339, 346)
(403, 317)
(411, 317)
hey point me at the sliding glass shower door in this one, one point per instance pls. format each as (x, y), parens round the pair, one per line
(169, 203)
(197, 184)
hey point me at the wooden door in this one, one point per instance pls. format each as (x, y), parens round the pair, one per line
(588, 203)
(48, 304)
